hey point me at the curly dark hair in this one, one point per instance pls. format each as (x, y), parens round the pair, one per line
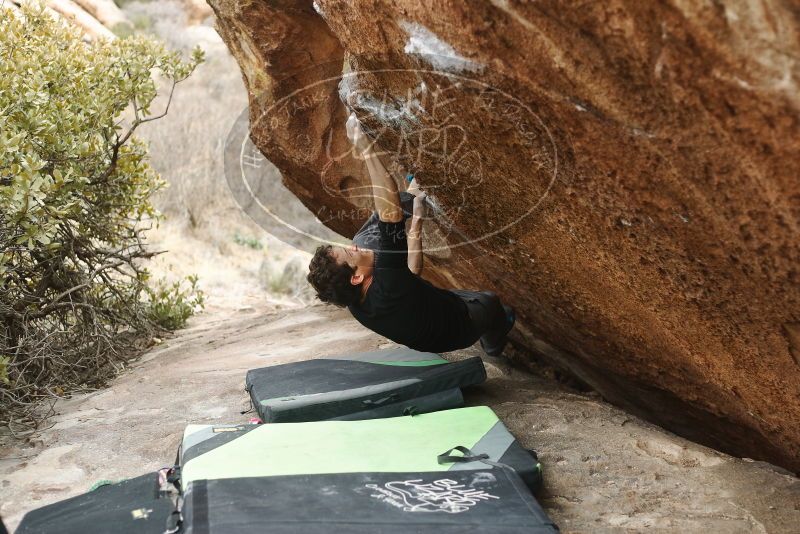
(332, 280)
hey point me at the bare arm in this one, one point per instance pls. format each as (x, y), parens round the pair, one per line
(414, 234)
(384, 188)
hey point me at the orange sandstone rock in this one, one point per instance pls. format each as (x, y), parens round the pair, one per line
(625, 174)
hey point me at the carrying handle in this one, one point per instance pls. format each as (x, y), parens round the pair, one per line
(468, 456)
(250, 409)
(410, 410)
(378, 402)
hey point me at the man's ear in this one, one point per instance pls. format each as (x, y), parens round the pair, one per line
(356, 279)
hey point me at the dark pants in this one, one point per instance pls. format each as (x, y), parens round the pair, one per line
(489, 318)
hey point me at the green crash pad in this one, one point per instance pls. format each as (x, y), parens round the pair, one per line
(398, 444)
(367, 385)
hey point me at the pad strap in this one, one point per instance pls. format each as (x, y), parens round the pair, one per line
(468, 456)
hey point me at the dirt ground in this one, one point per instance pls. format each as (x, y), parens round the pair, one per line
(605, 470)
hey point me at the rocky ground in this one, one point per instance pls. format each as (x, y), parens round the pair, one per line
(605, 470)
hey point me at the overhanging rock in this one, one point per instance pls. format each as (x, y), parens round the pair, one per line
(625, 175)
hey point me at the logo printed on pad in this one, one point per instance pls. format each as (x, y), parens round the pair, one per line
(442, 495)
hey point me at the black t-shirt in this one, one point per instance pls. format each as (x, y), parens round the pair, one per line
(405, 308)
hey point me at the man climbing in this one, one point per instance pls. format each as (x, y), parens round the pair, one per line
(377, 278)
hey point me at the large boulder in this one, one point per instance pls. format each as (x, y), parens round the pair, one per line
(624, 174)
(105, 11)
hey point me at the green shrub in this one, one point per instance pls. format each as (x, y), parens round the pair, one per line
(75, 189)
(171, 305)
(249, 242)
(288, 279)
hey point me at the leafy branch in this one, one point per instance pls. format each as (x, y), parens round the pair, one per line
(76, 301)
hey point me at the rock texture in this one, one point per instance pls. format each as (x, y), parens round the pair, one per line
(197, 11)
(95, 18)
(80, 17)
(625, 174)
(105, 11)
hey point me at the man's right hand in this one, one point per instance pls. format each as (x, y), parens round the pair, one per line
(421, 206)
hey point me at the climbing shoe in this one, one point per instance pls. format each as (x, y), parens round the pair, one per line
(493, 343)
